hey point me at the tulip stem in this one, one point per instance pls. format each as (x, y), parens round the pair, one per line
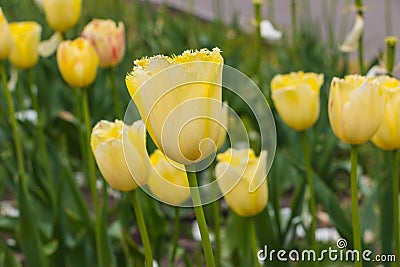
(176, 236)
(35, 255)
(142, 228)
(102, 253)
(307, 160)
(360, 11)
(117, 104)
(78, 110)
(201, 220)
(294, 21)
(89, 156)
(42, 141)
(395, 175)
(354, 202)
(391, 43)
(254, 242)
(14, 126)
(217, 221)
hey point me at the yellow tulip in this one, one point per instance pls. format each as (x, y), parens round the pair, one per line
(108, 39)
(236, 172)
(62, 15)
(296, 97)
(179, 99)
(223, 132)
(110, 142)
(356, 108)
(26, 37)
(77, 61)
(388, 135)
(168, 180)
(5, 37)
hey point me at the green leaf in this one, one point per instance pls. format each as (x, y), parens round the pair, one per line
(27, 230)
(7, 257)
(50, 247)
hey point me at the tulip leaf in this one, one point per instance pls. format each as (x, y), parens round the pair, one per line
(7, 257)
(27, 229)
(330, 202)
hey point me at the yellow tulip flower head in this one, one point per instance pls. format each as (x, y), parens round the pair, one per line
(223, 132)
(296, 98)
(5, 37)
(179, 99)
(356, 108)
(62, 15)
(388, 135)
(168, 180)
(108, 39)
(77, 61)
(110, 142)
(240, 195)
(26, 38)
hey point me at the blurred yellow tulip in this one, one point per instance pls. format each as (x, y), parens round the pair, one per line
(180, 102)
(223, 132)
(238, 191)
(388, 135)
(5, 37)
(62, 15)
(296, 97)
(26, 37)
(77, 61)
(356, 108)
(110, 142)
(168, 180)
(108, 39)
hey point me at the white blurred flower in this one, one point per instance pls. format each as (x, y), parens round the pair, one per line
(49, 47)
(326, 234)
(351, 41)
(196, 232)
(27, 115)
(8, 210)
(268, 31)
(376, 71)
(39, 3)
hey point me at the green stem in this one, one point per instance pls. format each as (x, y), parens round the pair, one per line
(78, 111)
(391, 42)
(307, 160)
(117, 104)
(257, 17)
(33, 253)
(254, 242)
(354, 202)
(360, 11)
(395, 175)
(294, 21)
(176, 236)
(89, 156)
(217, 221)
(201, 220)
(142, 228)
(101, 239)
(14, 126)
(49, 184)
